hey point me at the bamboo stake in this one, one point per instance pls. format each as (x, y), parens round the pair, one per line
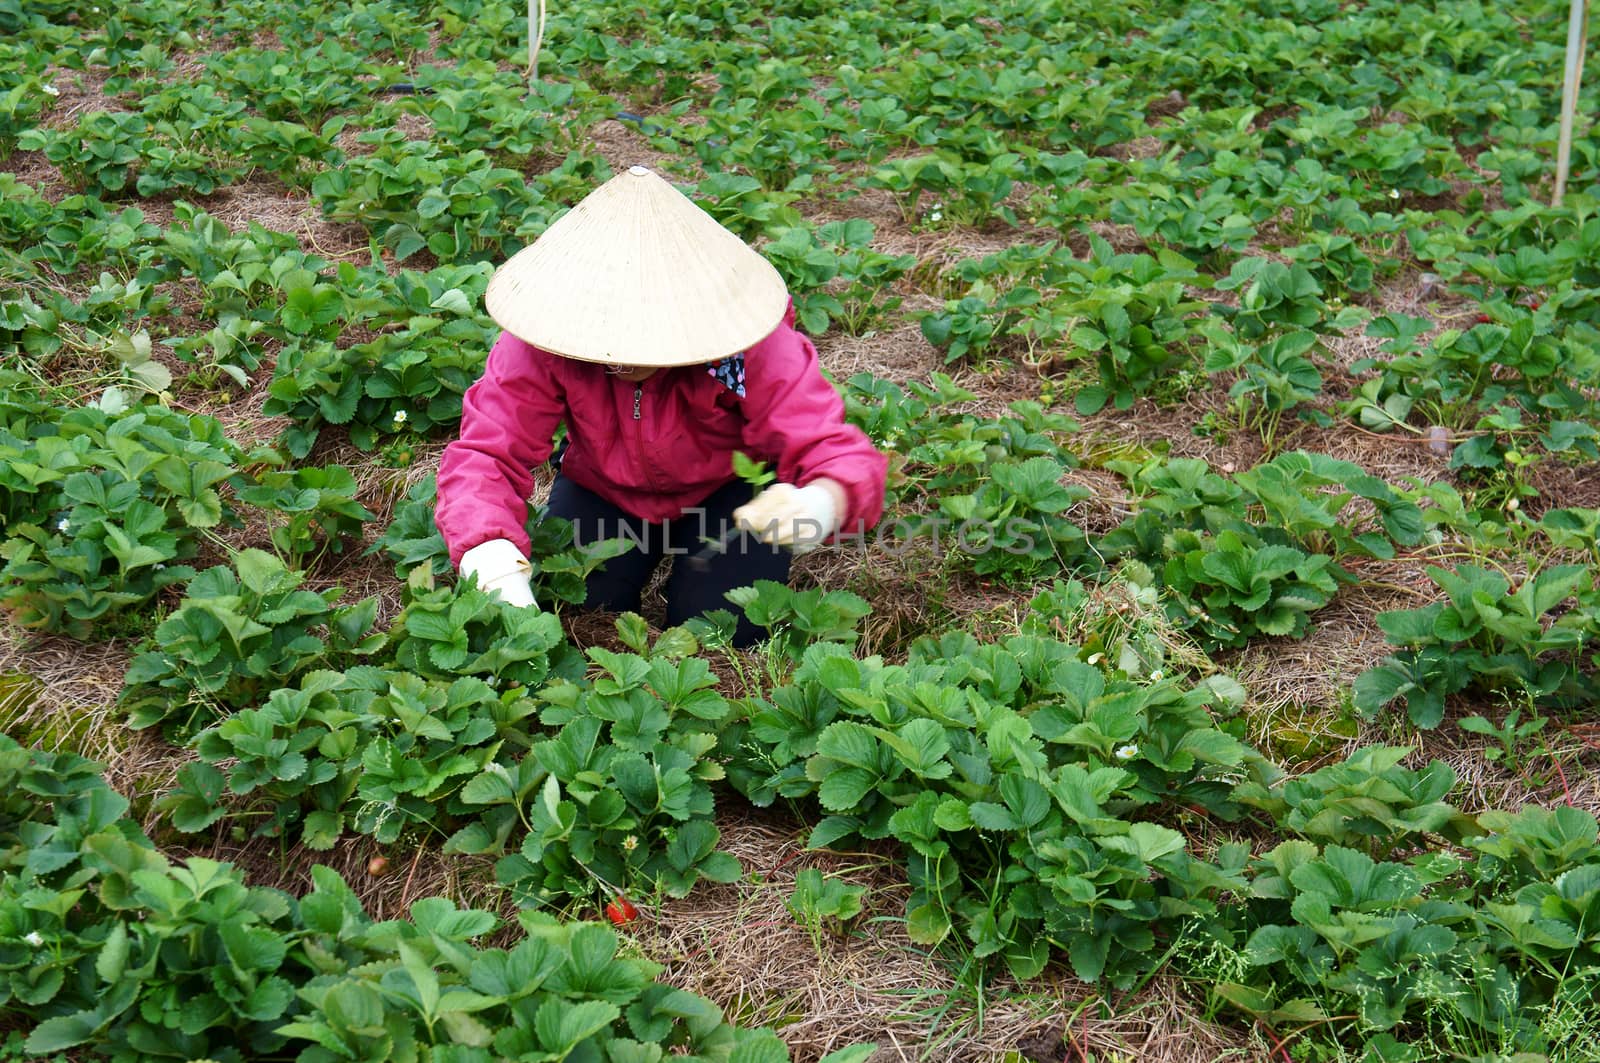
(536, 39)
(1577, 36)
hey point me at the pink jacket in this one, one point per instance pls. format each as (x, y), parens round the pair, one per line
(652, 449)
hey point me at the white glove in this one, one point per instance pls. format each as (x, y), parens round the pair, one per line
(500, 567)
(786, 515)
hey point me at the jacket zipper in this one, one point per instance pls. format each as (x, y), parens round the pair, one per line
(641, 452)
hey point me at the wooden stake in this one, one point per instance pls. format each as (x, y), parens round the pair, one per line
(1577, 37)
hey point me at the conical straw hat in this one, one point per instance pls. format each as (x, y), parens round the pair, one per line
(636, 274)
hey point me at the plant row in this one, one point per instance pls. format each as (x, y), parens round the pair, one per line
(109, 946)
(1035, 787)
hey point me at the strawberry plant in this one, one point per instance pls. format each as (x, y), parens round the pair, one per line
(1128, 313)
(618, 795)
(1573, 529)
(302, 87)
(445, 632)
(784, 149)
(409, 379)
(1297, 498)
(1327, 505)
(317, 511)
(83, 230)
(482, 113)
(998, 768)
(1273, 296)
(1337, 930)
(411, 539)
(1531, 360)
(1487, 637)
(20, 102)
(994, 485)
(242, 275)
(625, 796)
(460, 207)
(239, 633)
(230, 349)
(1255, 554)
(796, 619)
(106, 150)
(564, 991)
(834, 275)
(914, 416)
(1189, 223)
(105, 509)
(99, 154)
(283, 148)
(27, 326)
(107, 946)
(117, 556)
(1368, 798)
(1014, 524)
(1394, 942)
(1399, 157)
(116, 924)
(1273, 377)
(310, 308)
(970, 193)
(973, 324)
(370, 749)
(1233, 587)
(745, 206)
(381, 753)
(23, 211)
(1336, 262)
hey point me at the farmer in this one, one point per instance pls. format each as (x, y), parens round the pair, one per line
(665, 344)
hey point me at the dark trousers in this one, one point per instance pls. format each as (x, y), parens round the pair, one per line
(617, 584)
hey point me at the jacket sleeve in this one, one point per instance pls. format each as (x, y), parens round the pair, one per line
(794, 417)
(508, 423)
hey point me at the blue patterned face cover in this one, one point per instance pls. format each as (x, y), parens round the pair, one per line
(730, 373)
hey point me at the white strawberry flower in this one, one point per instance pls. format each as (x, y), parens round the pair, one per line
(34, 938)
(63, 525)
(50, 90)
(1127, 752)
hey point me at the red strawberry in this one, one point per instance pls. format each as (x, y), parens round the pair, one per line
(621, 911)
(1484, 319)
